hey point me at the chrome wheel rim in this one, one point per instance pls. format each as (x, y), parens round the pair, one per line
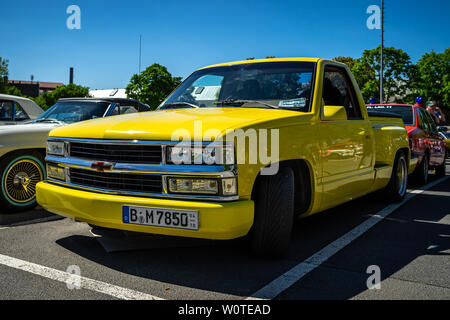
(402, 176)
(20, 181)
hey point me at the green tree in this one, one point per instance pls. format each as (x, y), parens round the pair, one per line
(432, 79)
(152, 86)
(3, 74)
(347, 60)
(48, 99)
(398, 73)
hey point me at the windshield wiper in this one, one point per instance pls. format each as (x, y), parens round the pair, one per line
(49, 120)
(240, 103)
(179, 104)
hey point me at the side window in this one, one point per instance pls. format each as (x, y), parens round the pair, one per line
(426, 125)
(116, 110)
(338, 91)
(6, 110)
(432, 124)
(19, 114)
(128, 109)
(123, 109)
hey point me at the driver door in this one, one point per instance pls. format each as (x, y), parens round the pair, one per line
(347, 151)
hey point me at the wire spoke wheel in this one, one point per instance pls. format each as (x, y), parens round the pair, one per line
(20, 180)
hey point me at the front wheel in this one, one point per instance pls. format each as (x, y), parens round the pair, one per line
(396, 190)
(21, 173)
(274, 214)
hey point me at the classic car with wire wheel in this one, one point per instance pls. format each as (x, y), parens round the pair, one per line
(428, 147)
(22, 147)
(238, 149)
(17, 110)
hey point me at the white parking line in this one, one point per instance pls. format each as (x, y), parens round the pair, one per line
(277, 286)
(4, 228)
(86, 283)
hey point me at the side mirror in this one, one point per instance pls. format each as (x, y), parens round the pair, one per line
(334, 113)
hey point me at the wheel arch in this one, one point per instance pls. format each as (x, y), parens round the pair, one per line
(42, 151)
(303, 173)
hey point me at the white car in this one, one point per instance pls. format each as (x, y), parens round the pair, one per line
(16, 110)
(23, 146)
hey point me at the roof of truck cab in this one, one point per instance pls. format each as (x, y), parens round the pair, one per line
(263, 60)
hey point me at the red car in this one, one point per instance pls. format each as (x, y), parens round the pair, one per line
(425, 142)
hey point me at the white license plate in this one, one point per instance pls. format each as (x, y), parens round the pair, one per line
(159, 217)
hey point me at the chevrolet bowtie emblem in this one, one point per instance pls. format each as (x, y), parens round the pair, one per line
(101, 166)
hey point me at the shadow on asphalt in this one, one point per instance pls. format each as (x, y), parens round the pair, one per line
(230, 268)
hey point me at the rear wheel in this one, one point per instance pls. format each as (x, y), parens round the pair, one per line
(440, 171)
(396, 190)
(421, 173)
(274, 214)
(22, 171)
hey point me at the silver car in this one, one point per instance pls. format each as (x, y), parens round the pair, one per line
(23, 146)
(15, 110)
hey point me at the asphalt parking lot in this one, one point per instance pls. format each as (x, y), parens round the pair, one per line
(329, 258)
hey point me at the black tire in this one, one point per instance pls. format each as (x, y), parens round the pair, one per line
(397, 187)
(30, 167)
(441, 170)
(274, 214)
(421, 172)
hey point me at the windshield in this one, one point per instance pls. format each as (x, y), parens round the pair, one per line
(74, 111)
(406, 112)
(263, 85)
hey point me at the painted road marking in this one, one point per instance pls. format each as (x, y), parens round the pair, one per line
(86, 283)
(285, 281)
(437, 193)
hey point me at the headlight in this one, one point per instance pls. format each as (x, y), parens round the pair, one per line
(207, 186)
(55, 172)
(188, 185)
(55, 148)
(211, 154)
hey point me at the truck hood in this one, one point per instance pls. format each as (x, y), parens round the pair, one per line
(161, 125)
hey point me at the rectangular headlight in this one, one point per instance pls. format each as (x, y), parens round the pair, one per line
(56, 172)
(193, 186)
(210, 155)
(55, 148)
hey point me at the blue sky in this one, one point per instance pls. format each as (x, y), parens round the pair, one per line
(186, 35)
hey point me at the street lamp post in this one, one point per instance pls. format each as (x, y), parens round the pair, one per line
(381, 55)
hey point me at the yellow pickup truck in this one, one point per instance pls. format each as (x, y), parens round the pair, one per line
(238, 149)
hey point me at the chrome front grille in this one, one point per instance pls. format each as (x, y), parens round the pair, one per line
(123, 182)
(118, 153)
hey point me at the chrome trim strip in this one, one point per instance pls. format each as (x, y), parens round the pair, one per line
(134, 142)
(218, 171)
(146, 195)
